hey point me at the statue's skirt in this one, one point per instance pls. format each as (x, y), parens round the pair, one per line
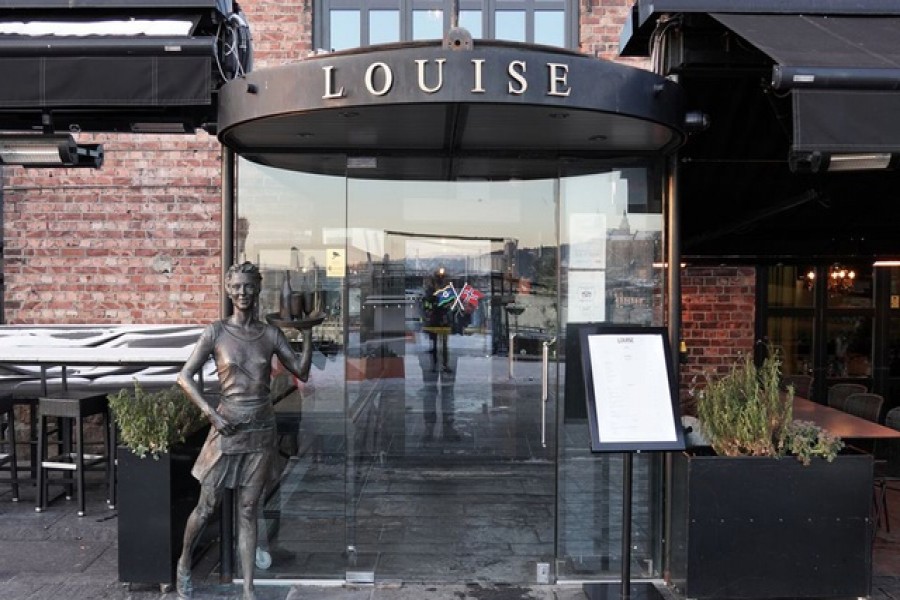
(247, 456)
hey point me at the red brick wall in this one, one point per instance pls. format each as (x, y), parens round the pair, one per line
(281, 29)
(137, 241)
(601, 26)
(718, 315)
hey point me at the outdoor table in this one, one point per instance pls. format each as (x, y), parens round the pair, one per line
(65, 356)
(840, 423)
(81, 356)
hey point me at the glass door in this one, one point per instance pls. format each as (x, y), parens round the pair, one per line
(452, 319)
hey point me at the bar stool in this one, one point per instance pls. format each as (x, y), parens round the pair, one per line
(71, 409)
(8, 457)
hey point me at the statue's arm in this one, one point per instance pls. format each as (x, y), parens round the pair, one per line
(202, 351)
(298, 365)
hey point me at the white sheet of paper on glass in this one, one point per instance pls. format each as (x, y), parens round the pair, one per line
(587, 296)
(587, 241)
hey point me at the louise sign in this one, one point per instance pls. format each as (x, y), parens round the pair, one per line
(378, 78)
(499, 74)
(419, 104)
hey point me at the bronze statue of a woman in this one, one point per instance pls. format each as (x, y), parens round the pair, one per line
(240, 449)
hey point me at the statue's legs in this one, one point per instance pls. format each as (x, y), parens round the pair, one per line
(206, 506)
(247, 535)
(248, 509)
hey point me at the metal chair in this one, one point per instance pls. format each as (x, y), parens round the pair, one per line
(802, 384)
(887, 471)
(8, 457)
(837, 393)
(72, 409)
(864, 405)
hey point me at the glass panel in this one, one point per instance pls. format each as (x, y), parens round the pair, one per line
(859, 295)
(848, 347)
(384, 26)
(892, 352)
(894, 347)
(608, 251)
(471, 20)
(607, 274)
(415, 461)
(790, 286)
(894, 286)
(450, 470)
(344, 29)
(291, 224)
(428, 24)
(793, 337)
(510, 25)
(550, 27)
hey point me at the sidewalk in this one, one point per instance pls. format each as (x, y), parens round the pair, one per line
(57, 555)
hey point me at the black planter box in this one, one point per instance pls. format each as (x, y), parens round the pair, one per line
(748, 527)
(155, 498)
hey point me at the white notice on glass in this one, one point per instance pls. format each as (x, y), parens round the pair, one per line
(631, 388)
(587, 241)
(587, 296)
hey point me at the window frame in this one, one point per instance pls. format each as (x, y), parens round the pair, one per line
(488, 8)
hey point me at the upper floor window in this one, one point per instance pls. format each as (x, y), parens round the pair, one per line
(343, 24)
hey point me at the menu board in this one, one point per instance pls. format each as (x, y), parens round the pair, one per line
(629, 389)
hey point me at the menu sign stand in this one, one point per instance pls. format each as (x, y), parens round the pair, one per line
(632, 407)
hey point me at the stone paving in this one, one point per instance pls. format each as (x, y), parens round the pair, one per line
(58, 555)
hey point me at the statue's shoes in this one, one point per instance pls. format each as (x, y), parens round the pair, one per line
(183, 584)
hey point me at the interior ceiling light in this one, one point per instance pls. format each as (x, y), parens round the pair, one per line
(840, 279)
(48, 151)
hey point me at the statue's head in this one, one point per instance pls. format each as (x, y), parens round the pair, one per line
(243, 268)
(242, 284)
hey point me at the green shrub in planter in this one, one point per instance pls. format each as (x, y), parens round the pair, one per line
(152, 422)
(783, 540)
(745, 413)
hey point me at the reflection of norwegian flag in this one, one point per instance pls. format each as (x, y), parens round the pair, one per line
(469, 297)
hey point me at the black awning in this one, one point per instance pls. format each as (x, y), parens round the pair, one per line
(824, 51)
(103, 66)
(846, 121)
(843, 73)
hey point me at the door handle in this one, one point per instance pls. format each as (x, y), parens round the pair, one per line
(545, 388)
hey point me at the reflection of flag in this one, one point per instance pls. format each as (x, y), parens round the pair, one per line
(469, 297)
(446, 295)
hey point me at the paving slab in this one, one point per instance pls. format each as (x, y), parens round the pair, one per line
(56, 555)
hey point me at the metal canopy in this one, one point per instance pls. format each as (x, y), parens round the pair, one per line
(420, 111)
(740, 199)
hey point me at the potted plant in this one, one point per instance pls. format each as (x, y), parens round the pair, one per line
(773, 508)
(160, 435)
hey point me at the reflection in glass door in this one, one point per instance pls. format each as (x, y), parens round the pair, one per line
(450, 369)
(430, 443)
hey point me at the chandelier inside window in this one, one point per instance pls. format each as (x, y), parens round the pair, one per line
(840, 279)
